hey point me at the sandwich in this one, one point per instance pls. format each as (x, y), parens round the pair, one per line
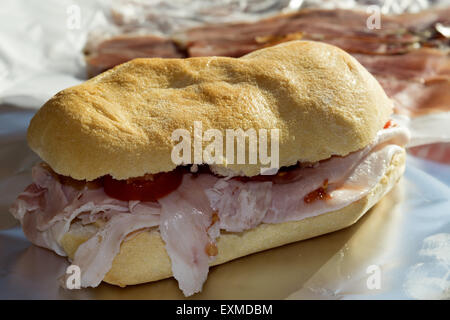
(118, 196)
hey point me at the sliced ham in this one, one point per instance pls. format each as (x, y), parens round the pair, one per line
(241, 205)
(344, 28)
(47, 207)
(349, 179)
(112, 52)
(96, 255)
(187, 217)
(418, 82)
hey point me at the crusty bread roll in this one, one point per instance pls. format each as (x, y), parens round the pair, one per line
(320, 98)
(143, 258)
(121, 123)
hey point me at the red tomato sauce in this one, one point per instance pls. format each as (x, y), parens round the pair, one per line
(150, 187)
(318, 194)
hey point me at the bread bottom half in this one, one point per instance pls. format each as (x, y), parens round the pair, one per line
(143, 257)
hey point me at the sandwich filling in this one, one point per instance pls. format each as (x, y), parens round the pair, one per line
(191, 209)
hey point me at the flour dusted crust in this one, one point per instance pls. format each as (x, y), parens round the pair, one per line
(143, 258)
(120, 123)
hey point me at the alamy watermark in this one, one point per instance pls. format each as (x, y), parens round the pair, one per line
(373, 281)
(241, 147)
(73, 21)
(72, 279)
(392, 7)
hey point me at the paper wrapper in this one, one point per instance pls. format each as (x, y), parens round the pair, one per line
(406, 237)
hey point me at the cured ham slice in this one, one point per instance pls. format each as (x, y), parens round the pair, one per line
(185, 219)
(112, 52)
(48, 206)
(343, 28)
(397, 33)
(96, 255)
(419, 82)
(241, 205)
(283, 199)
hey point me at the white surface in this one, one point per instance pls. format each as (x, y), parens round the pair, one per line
(41, 47)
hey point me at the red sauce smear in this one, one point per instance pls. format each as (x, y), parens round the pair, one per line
(214, 219)
(389, 124)
(318, 194)
(211, 249)
(150, 187)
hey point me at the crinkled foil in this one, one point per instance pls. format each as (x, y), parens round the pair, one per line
(171, 16)
(399, 250)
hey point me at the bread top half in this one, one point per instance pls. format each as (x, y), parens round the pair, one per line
(322, 101)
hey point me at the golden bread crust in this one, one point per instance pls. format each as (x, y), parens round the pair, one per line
(120, 123)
